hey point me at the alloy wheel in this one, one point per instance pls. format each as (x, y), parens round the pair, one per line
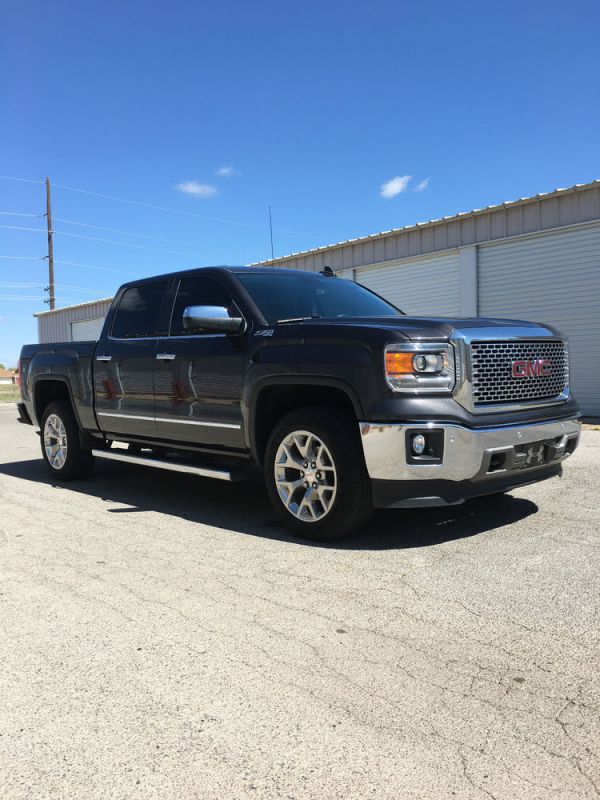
(305, 476)
(55, 441)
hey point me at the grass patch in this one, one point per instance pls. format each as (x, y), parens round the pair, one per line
(9, 393)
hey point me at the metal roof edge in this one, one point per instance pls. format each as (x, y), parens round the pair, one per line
(430, 223)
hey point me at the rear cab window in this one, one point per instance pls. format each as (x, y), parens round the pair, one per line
(138, 313)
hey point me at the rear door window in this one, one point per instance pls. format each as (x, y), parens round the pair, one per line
(138, 312)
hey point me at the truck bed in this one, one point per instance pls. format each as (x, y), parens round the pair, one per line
(79, 349)
(70, 362)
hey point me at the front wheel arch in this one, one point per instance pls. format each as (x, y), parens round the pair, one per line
(273, 398)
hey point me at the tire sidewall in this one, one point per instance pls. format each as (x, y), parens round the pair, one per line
(77, 460)
(353, 493)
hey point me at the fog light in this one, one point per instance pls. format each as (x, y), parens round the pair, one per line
(418, 444)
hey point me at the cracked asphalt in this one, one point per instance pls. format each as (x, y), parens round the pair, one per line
(163, 637)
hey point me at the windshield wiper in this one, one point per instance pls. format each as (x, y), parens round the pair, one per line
(297, 319)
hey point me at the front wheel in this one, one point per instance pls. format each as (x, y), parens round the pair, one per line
(65, 458)
(316, 475)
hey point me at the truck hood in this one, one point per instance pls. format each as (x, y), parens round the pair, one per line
(422, 328)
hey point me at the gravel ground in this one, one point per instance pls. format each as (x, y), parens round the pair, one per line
(163, 637)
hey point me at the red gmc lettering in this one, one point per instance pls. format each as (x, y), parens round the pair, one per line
(538, 368)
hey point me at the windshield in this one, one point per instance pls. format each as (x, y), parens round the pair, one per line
(304, 295)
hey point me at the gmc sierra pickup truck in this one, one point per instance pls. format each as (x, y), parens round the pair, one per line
(344, 402)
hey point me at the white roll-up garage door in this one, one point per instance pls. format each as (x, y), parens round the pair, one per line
(87, 330)
(420, 287)
(553, 278)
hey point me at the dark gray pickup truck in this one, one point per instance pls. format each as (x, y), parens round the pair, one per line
(343, 401)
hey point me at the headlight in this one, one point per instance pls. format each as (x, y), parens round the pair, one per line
(414, 367)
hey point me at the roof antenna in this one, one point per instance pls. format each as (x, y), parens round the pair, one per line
(271, 232)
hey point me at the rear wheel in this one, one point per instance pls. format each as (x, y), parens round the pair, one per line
(316, 475)
(65, 458)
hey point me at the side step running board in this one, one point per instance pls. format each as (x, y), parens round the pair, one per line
(173, 466)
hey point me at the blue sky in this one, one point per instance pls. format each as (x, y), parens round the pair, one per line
(313, 107)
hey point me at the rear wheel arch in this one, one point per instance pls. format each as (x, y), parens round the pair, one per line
(48, 389)
(56, 388)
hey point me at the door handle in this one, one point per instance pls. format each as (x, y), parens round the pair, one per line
(103, 358)
(165, 356)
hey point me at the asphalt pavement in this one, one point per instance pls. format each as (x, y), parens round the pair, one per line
(162, 636)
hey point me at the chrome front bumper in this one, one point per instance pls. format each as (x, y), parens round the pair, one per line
(468, 454)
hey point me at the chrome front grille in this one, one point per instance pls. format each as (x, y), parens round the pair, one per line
(493, 380)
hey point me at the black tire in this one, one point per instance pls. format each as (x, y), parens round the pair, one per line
(352, 503)
(79, 460)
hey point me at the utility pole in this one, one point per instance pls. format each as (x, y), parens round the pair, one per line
(51, 300)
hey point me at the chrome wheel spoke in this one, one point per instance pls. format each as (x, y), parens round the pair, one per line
(324, 493)
(289, 459)
(287, 490)
(324, 460)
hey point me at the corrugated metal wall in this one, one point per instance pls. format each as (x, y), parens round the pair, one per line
(425, 286)
(544, 212)
(55, 326)
(552, 278)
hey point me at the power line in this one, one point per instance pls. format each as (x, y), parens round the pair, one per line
(8, 285)
(13, 285)
(23, 180)
(20, 214)
(29, 297)
(160, 208)
(21, 228)
(120, 244)
(97, 239)
(92, 266)
(176, 210)
(68, 263)
(123, 233)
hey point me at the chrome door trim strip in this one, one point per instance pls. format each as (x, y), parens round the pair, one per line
(166, 419)
(199, 422)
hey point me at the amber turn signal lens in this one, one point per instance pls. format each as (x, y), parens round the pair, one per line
(399, 363)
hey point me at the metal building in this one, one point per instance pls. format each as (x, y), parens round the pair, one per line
(79, 323)
(537, 258)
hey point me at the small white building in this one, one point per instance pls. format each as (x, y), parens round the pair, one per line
(7, 377)
(80, 323)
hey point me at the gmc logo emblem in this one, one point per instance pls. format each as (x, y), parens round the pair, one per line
(538, 368)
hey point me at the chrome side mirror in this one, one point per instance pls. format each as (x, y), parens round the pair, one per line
(212, 318)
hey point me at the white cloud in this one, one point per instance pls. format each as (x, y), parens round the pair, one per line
(226, 172)
(422, 186)
(394, 186)
(197, 189)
